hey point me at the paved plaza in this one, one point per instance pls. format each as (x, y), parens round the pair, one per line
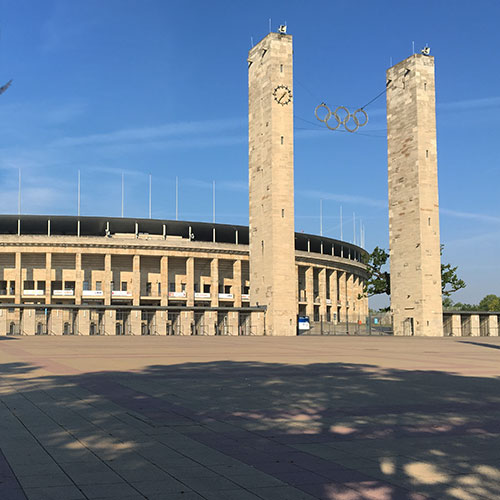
(228, 418)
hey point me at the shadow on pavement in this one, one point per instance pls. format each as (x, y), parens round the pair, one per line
(271, 431)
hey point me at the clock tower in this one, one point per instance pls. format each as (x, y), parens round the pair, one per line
(271, 204)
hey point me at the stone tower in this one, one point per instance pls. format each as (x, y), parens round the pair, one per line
(415, 261)
(271, 205)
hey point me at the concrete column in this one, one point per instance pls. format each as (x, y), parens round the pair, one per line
(56, 322)
(28, 322)
(190, 281)
(456, 325)
(186, 322)
(342, 294)
(232, 323)
(83, 322)
(333, 294)
(3, 322)
(493, 325)
(135, 322)
(297, 296)
(48, 278)
(258, 323)
(474, 326)
(214, 286)
(79, 279)
(210, 321)
(161, 322)
(109, 322)
(322, 293)
(164, 280)
(19, 278)
(310, 292)
(108, 276)
(237, 282)
(136, 284)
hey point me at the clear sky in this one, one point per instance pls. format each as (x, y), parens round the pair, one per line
(160, 87)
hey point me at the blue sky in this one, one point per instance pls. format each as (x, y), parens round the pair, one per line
(160, 87)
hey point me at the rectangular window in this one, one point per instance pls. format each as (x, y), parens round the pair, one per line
(183, 287)
(171, 287)
(227, 289)
(282, 212)
(282, 139)
(12, 288)
(98, 285)
(206, 288)
(427, 153)
(86, 286)
(281, 68)
(148, 288)
(159, 288)
(112, 285)
(124, 286)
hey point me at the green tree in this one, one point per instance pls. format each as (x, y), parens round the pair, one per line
(379, 280)
(490, 303)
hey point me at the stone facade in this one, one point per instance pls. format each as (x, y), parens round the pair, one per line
(271, 194)
(416, 302)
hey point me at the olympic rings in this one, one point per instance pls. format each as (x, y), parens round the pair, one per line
(342, 121)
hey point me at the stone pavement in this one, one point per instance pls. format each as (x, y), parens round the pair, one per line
(249, 418)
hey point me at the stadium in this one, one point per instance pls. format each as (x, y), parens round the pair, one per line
(120, 276)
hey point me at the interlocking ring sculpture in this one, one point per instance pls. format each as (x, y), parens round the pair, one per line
(341, 121)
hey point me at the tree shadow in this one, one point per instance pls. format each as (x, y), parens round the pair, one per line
(328, 430)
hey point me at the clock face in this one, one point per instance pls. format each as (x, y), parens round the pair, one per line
(282, 95)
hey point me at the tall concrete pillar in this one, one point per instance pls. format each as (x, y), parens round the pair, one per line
(108, 277)
(19, 282)
(164, 280)
(271, 199)
(79, 278)
(214, 282)
(48, 278)
(342, 285)
(190, 281)
(136, 280)
(416, 302)
(237, 282)
(322, 293)
(310, 292)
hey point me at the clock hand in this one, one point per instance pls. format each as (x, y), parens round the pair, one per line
(279, 100)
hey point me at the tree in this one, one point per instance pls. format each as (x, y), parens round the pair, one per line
(490, 303)
(379, 281)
